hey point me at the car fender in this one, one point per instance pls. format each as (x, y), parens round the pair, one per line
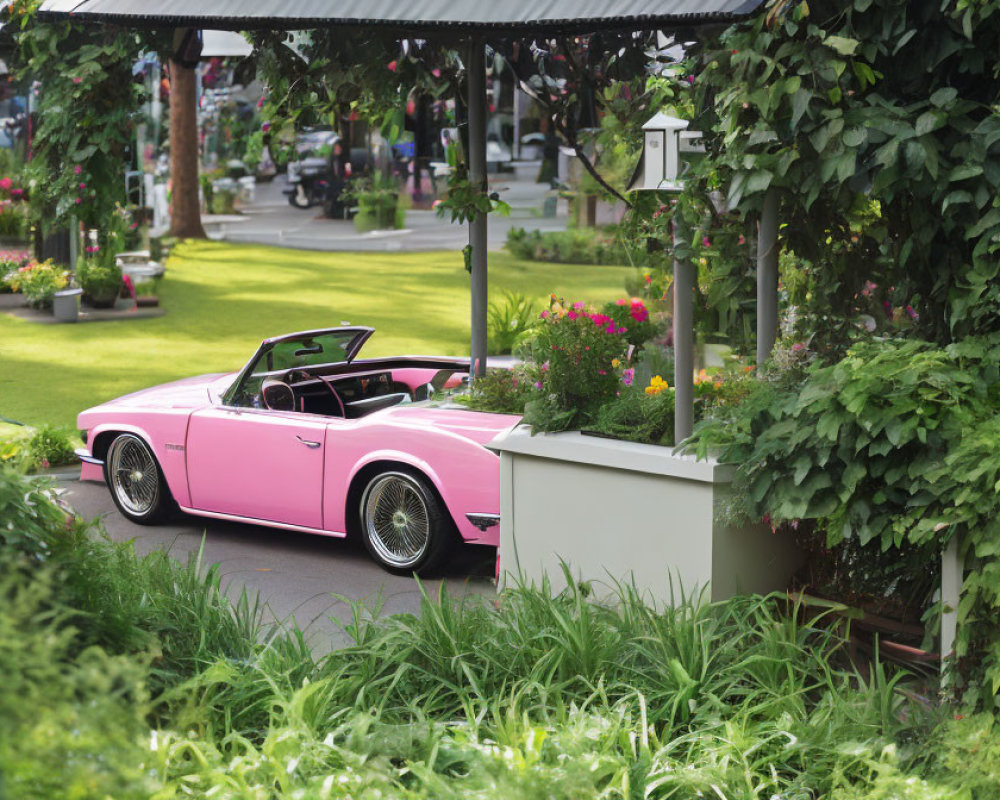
(170, 455)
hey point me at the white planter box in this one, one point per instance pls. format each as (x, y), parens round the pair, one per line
(616, 510)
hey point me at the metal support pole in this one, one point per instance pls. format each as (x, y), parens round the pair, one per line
(767, 278)
(683, 349)
(951, 585)
(477, 177)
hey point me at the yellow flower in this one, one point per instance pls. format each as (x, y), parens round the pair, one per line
(656, 385)
(615, 363)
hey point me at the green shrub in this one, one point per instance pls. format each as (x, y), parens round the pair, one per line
(101, 282)
(509, 322)
(573, 246)
(13, 219)
(502, 391)
(895, 445)
(223, 202)
(72, 720)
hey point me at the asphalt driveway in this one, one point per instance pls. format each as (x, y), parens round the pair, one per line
(297, 575)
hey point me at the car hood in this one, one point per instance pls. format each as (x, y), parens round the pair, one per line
(185, 393)
(477, 426)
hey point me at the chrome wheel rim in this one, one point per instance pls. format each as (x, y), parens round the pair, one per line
(134, 475)
(396, 519)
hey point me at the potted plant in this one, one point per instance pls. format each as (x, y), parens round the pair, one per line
(101, 281)
(377, 202)
(38, 282)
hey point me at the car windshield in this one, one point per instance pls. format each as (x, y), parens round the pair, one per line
(301, 351)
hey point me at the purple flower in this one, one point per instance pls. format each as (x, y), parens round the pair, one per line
(628, 376)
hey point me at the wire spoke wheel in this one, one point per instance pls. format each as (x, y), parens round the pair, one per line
(397, 522)
(133, 476)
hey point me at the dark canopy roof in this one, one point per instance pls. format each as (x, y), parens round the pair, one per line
(470, 16)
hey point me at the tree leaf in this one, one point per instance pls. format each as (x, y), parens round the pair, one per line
(842, 44)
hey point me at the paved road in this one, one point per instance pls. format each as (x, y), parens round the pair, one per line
(296, 574)
(271, 220)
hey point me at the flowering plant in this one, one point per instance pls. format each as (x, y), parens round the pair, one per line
(38, 281)
(10, 262)
(582, 357)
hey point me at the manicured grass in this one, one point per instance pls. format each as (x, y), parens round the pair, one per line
(222, 299)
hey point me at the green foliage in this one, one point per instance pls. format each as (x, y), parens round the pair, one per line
(73, 720)
(509, 321)
(38, 281)
(100, 281)
(87, 108)
(573, 246)
(543, 694)
(638, 417)
(13, 220)
(37, 448)
(503, 391)
(838, 106)
(894, 444)
(465, 200)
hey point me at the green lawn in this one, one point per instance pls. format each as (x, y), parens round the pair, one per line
(222, 299)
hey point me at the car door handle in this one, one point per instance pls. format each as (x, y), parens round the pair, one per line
(307, 442)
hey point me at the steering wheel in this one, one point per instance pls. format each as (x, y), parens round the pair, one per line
(306, 375)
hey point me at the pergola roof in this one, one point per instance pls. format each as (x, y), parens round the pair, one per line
(470, 16)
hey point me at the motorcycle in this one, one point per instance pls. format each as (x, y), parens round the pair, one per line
(308, 183)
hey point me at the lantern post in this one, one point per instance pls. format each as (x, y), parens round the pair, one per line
(665, 138)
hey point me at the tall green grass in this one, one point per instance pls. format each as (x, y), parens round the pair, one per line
(140, 677)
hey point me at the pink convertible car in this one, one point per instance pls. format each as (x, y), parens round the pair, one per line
(307, 438)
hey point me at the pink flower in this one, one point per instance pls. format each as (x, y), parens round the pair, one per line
(392, 66)
(6, 183)
(628, 376)
(913, 314)
(601, 372)
(798, 347)
(573, 314)
(639, 313)
(742, 239)
(706, 242)
(436, 73)
(545, 367)
(83, 186)
(265, 126)
(77, 169)
(79, 200)
(621, 301)
(77, 80)
(16, 192)
(544, 315)
(538, 384)
(579, 306)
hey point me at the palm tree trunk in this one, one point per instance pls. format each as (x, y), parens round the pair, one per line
(185, 212)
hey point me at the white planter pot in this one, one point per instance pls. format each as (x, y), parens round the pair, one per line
(620, 511)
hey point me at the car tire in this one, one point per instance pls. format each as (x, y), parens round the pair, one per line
(136, 481)
(403, 524)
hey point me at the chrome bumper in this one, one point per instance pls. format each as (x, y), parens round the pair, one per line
(84, 455)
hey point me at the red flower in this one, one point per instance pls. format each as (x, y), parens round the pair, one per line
(392, 66)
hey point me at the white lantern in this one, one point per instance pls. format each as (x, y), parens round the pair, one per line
(660, 168)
